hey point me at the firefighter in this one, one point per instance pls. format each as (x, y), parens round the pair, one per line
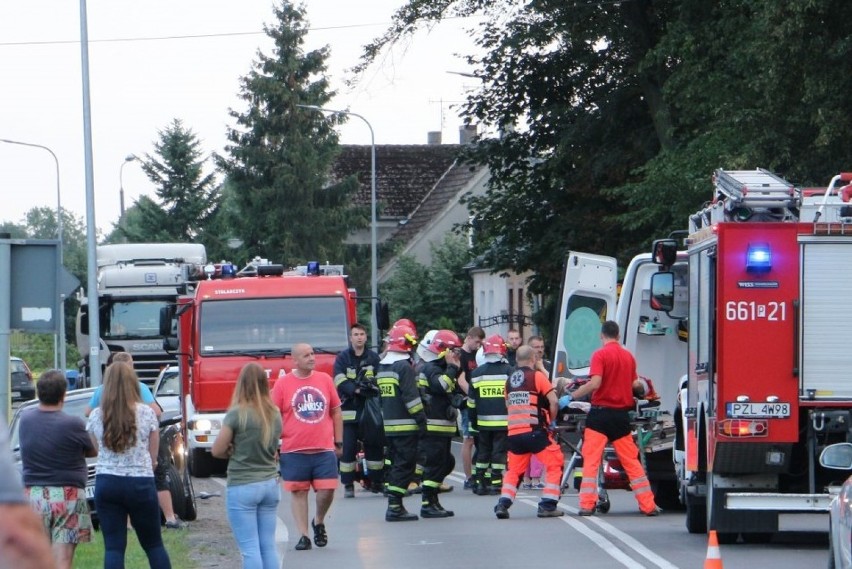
(612, 375)
(404, 418)
(354, 377)
(531, 404)
(437, 381)
(488, 403)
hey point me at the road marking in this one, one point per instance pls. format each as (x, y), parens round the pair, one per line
(606, 544)
(282, 536)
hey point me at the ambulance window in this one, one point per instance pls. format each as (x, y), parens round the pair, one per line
(581, 329)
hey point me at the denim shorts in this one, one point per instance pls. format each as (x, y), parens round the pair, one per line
(64, 512)
(303, 470)
(465, 424)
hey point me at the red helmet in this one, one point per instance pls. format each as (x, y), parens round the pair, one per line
(494, 345)
(401, 338)
(444, 340)
(405, 322)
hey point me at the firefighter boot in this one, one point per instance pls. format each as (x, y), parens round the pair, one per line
(502, 508)
(396, 512)
(430, 507)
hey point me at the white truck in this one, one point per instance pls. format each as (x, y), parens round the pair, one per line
(590, 296)
(136, 280)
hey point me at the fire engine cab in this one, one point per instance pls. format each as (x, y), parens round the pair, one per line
(256, 314)
(769, 367)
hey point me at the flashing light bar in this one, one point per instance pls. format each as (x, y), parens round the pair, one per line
(758, 257)
(743, 428)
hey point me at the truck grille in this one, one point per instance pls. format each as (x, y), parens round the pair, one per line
(148, 367)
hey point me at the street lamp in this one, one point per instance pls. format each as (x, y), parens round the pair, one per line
(61, 347)
(374, 282)
(128, 158)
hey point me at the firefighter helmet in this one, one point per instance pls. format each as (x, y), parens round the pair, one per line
(495, 345)
(405, 322)
(401, 339)
(444, 340)
(423, 347)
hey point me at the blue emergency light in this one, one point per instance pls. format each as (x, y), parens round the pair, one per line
(313, 268)
(758, 257)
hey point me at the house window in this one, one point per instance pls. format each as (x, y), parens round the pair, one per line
(511, 303)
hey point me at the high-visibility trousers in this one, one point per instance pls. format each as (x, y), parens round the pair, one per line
(627, 452)
(550, 455)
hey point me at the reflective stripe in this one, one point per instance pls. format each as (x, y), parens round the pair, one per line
(375, 464)
(431, 484)
(349, 415)
(416, 409)
(401, 428)
(397, 422)
(347, 467)
(440, 428)
(448, 383)
(339, 378)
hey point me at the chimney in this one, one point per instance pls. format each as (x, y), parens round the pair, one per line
(466, 133)
(433, 137)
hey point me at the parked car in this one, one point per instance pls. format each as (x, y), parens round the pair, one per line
(839, 457)
(167, 389)
(22, 386)
(172, 449)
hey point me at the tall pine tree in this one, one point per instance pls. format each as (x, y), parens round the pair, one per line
(188, 200)
(279, 155)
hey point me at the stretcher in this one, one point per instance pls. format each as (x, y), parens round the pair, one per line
(652, 430)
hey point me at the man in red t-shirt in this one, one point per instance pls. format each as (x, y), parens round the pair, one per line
(612, 371)
(311, 441)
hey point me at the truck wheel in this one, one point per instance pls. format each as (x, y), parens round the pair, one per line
(201, 463)
(666, 494)
(696, 515)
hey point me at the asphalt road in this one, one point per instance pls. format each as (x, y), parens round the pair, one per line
(360, 538)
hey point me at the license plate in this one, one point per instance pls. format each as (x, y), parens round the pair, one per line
(758, 410)
(90, 492)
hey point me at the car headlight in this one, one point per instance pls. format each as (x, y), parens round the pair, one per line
(206, 424)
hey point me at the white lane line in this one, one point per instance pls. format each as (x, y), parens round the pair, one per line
(602, 542)
(282, 536)
(633, 543)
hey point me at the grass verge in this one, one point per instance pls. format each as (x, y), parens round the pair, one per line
(89, 555)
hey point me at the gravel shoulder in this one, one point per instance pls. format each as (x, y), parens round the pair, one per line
(209, 537)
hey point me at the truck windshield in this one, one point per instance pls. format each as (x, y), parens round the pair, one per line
(135, 318)
(253, 324)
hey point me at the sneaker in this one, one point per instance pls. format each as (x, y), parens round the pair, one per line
(655, 512)
(320, 537)
(501, 511)
(304, 543)
(539, 486)
(349, 491)
(468, 484)
(176, 524)
(526, 486)
(586, 512)
(554, 513)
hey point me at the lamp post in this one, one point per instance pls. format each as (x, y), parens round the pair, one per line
(374, 282)
(60, 350)
(128, 158)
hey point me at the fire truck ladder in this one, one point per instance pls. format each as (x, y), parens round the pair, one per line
(755, 188)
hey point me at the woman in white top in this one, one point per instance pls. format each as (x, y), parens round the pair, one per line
(127, 434)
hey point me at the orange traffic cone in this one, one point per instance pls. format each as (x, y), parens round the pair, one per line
(714, 556)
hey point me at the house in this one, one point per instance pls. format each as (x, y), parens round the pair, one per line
(419, 189)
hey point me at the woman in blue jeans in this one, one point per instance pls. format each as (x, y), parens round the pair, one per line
(250, 438)
(127, 434)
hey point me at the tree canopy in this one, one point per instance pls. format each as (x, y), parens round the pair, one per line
(612, 115)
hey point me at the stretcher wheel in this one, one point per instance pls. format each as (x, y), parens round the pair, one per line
(603, 505)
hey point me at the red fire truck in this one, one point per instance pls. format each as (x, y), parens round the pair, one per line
(256, 314)
(769, 368)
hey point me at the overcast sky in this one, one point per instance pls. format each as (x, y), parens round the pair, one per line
(140, 82)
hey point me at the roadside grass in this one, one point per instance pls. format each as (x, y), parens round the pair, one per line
(91, 555)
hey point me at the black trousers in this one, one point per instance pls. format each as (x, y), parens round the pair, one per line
(402, 452)
(492, 448)
(350, 449)
(438, 460)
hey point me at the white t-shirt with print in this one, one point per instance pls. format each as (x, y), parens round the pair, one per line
(134, 461)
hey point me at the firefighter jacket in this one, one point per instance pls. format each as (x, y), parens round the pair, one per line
(437, 381)
(488, 395)
(526, 400)
(402, 408)
(351, 372)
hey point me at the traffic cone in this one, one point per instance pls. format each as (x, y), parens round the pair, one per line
(714, 556)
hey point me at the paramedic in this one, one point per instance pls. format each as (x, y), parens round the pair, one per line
(612, 373)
